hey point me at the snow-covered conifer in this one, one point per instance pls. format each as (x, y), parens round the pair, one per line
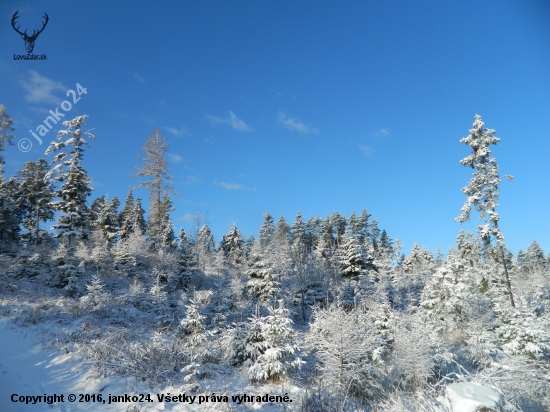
(160, 304)
(96, 297)
(206, 246)
(352, 262)
(339, 224)
(75, 183)
(363, 225)
(10, 213)
(482, 190)
(534, 258)
(232, 246)
(6, 135)
(373, 233)
(299, 238)
(282, 232)
(267, 231)
(262, 283)
(248, 246)
(354, 224)
(33, 197)
(167, 236)
(137, 220)
(307, 286)
(187, 265)
(448, 290)
(193, 326)
(280, 354)
(314, 231)
(247, 342)
(125, 217)
(105, 219)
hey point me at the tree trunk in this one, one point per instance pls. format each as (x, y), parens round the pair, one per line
(37, 223)
(507, 277)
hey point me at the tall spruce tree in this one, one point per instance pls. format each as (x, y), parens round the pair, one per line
(206, 246)
(10, 214)
(138, 222)
(267, 231)
(75, 183)
(33, 197)
(125, 217)
(299, 238)
(534, 257)
(167, 235)
(233, 246)
(339, 224)
(352, 259)
(156, 173)
(186, 262)
(282, 233)
(482, 191)
(104, 217)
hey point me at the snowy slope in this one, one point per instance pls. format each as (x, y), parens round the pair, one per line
(28, 370)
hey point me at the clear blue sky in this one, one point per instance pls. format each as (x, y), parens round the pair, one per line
(287, 106)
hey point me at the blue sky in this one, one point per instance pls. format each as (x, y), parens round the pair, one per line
(287, 106)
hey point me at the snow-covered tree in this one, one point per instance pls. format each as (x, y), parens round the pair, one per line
(193, 326)
(363, 225)
(232, 246)
(160, 304)
(412, 356)
(206, 246)
(125, 217)
(385, 247)
(534, 258)
(282, 232)
(300, 244)
(157, 172)
(327, 237)
(248, 246)
(75, 183)
(262, 284)
(10, 213)
(267, 231)
(137, 219)
(307, 286)
(314, 231)
(280, 352)
(186, 266)
(373, 233)
(352, 262)
(6, 135)
(104, 217)
(482, 191)
(339, 224)
(33, 197)
(246, 342)
(345, 345)
(450, 289)
(96, 297)
(167, 236)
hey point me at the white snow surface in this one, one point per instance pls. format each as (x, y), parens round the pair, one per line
(28, 369)
(469, 396)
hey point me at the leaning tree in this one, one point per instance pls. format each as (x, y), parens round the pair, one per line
(482, 190)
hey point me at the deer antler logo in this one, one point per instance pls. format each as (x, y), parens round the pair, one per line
(29, 40)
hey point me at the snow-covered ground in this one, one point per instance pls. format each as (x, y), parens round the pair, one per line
(27, 369)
